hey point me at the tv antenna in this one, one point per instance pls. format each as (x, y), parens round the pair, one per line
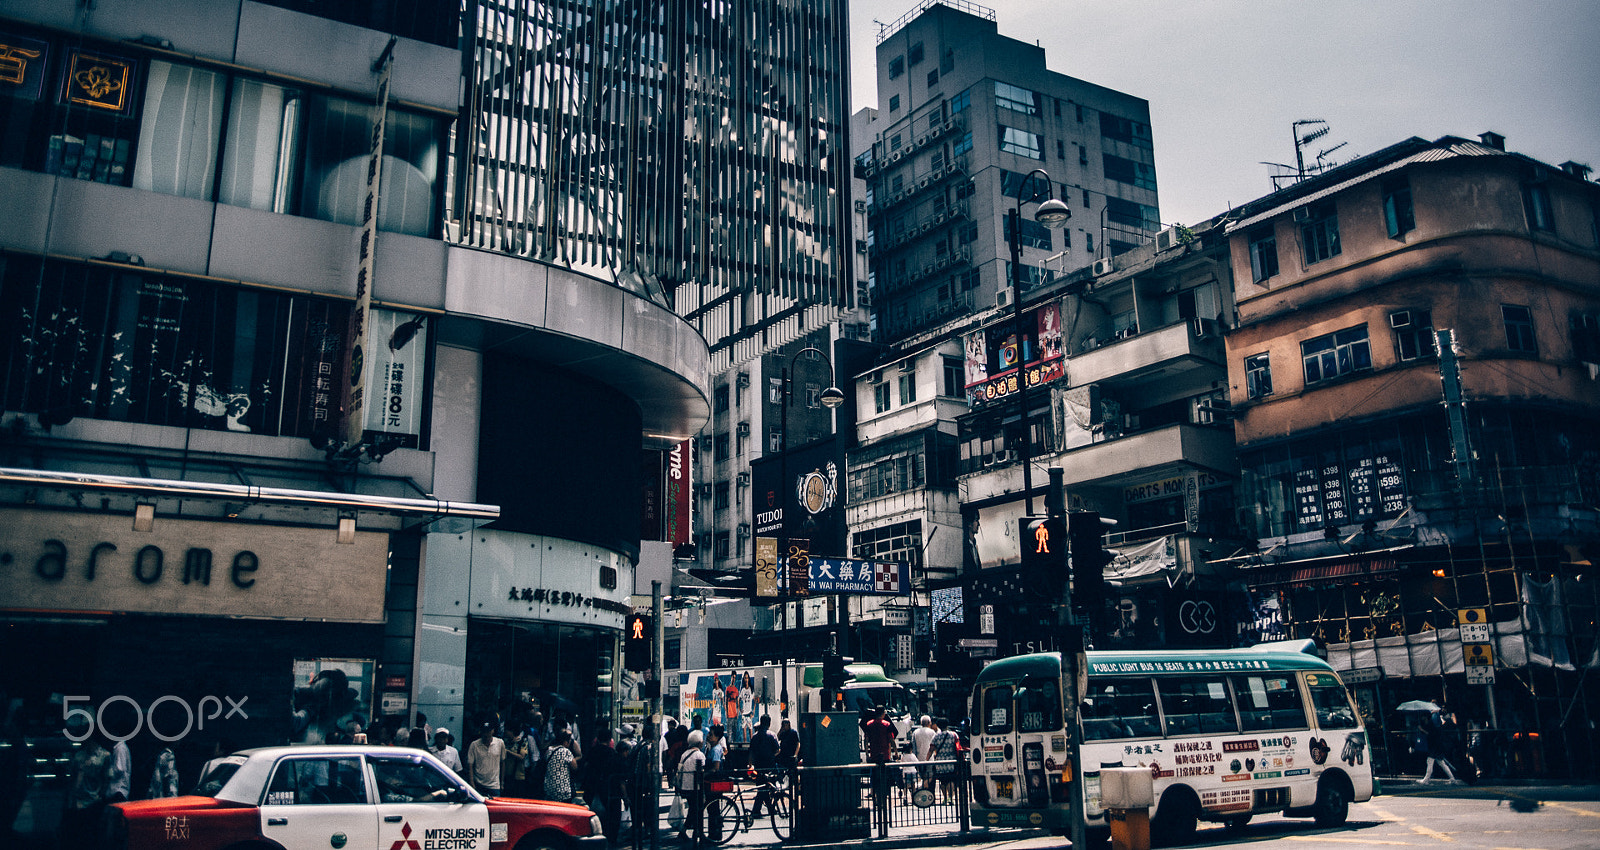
(1290, 174)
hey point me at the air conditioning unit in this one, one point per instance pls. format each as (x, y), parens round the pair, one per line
(876, 377)
(1002, 298)
(1126, 332)
(705, 491)
(923, 183)
(744, 479)
(1302, 214)
(744, 529)
(1203, 328)
(896, 156)
(1167, 239)
(923, 142)
(906, 366)
(1103, 266)
(861, 206)
(1130, 422)
(744, 379)
(744, 429)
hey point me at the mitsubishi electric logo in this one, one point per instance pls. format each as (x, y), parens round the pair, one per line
(405, 842)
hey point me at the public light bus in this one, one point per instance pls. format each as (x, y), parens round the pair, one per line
(1225, 734)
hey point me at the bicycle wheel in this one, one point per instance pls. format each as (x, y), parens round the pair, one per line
(720, 819)
(782, 815)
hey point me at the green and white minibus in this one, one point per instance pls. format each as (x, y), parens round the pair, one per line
(1225, 734)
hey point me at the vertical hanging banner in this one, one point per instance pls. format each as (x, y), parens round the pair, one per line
(394, 375)
(767, 566)
(797, 576)
(679, 476)
(355, 419)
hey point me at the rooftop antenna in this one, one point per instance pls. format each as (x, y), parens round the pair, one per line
(1301, 140)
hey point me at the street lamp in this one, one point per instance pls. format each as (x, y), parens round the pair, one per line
(1052, 213)
(831, 398)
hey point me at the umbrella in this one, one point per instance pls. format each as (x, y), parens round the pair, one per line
(1417, 705)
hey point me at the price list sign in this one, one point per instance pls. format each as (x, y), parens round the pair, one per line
(1334, 508)
(1308, 499)
(1391, 485)
(1363, 490)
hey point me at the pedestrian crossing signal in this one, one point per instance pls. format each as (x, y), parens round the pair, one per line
(637, 642)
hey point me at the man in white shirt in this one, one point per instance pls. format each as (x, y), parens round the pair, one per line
(119, 787)
(443, 751)
(485, 755)
(922, 743)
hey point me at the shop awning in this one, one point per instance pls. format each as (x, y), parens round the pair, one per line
(1321, 572)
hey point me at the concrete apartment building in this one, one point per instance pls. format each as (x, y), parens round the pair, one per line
(963, 115)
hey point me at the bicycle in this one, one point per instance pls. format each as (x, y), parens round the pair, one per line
(727, 813)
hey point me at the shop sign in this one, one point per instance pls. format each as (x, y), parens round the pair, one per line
(896, 617)
(59, 561)
(1362, 675)
(528, 577)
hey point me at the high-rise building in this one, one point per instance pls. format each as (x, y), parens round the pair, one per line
(252, 249)
(964, 115)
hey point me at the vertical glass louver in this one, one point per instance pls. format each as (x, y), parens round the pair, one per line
(691, 150)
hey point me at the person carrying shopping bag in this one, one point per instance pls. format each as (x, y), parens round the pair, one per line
(686, 781)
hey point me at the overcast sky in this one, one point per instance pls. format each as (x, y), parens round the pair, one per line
(1226, 79)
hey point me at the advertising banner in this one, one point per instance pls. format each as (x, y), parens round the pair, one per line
(395, 370)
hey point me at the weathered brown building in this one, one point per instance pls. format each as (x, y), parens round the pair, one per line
(1414, 377)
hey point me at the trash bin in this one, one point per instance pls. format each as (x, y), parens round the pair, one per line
(1126, 793)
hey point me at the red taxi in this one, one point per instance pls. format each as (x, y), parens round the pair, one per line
(355, 797)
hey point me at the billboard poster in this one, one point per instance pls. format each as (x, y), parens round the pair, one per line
(395, 368)
(767, 566)
(679, 477)
(998, 364)
(801, 497)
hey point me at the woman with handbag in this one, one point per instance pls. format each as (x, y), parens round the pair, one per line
(560, 769)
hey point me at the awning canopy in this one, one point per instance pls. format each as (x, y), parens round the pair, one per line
(1320, 572)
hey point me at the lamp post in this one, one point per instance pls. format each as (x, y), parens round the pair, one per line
(831, 398)
(1052, 213)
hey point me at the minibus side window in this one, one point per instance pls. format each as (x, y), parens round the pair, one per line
(1268, 702)
(1120, 708)
(1196, 705)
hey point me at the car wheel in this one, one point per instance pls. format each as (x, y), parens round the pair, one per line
(543, 841)
(1176, 818)
(1333, 803)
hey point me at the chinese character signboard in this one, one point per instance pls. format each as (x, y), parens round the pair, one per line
(993, 356)
(849, 575)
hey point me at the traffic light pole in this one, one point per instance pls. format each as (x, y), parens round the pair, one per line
(1070, 641)
(653, 735)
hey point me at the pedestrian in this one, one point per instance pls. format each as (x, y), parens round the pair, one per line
(922, 742)
(164, 778)
(486, 757)
(446, 753)
(538, 745)
(716, 747)
(686, 783)
(88, 784)
(602, 778)
(417, 739)
(560, 768)
(879, 735)
(119, 787)
(514, 770)
(908, 772)
(422, 723)
(1438, 747)
(788, 746)
(672, 745)
(943, 752)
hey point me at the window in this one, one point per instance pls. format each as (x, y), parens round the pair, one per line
(775, 390)
(1061, 149)
(1039, 705)
(1536, 198)
(947, 62)
(1197, 705)
(1020, 142)
(1034, 234)
(914, 55)
(897, 66)
(1319, 233)
(672, 653)
(962, 145)
(1519, 328)
(410, 779)
(720, 399)
(894, 142)
(1586, 337)
(994, 717)
(720, 453)
(774, 439)
(1330, 356)
(1330, 701)
(960, 102)
(954, 378)
(880, 397)
(1083, 155)
(1131, 214)
(908, 387)
(933, 78)
(1398, 216)
(722, 540)
(1120, 708)
(1017, 99)
(1128, 171)
(894, 103)
(1413, 333)
(1086, 201)
(720, 500)
(1269, 702)
(317, 781)
(1263, 253)
(1125, 130)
